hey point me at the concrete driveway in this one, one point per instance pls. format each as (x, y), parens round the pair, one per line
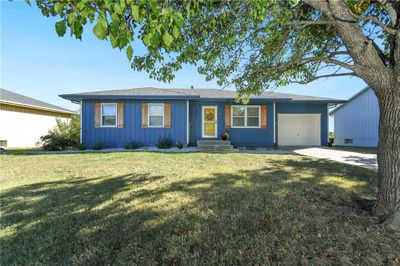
(348, 157)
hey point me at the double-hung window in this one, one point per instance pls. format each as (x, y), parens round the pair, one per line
(108, 114)
(245, 116)
(156, 114)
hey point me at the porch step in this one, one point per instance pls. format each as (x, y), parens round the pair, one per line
(214, 145)
(206, 142)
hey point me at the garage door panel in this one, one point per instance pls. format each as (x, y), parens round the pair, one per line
(299, 130)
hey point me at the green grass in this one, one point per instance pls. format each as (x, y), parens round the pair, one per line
(20, 150)
(368, 150)
(187, 209)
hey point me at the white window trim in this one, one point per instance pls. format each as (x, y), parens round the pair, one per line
(245, 116)
(116, 115)
(148, 115)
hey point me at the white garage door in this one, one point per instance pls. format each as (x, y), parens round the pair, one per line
(299, 129)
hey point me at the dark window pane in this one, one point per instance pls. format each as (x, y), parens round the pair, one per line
(156, 121)
(252, 111)
(109, 120)
(238, 122)
(252, 122)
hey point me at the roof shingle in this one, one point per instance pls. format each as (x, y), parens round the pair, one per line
(191, 93)
(7, 96)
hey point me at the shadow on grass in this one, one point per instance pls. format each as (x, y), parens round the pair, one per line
(288, 212)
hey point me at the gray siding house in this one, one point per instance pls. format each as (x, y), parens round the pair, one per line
(357, 121)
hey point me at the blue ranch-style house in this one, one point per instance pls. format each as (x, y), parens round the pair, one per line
(117, 117)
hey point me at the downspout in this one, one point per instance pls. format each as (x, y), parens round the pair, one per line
(187, 122)
(80, 121)
(327, 121)
(274, 124)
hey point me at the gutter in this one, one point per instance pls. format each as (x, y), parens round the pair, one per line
(75, 97)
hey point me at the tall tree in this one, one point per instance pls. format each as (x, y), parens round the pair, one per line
(259, 44)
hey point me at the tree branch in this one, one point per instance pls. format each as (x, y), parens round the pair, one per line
(339, 63)
(392, 9)
(310, 22)
(376, 21)
(324, 76)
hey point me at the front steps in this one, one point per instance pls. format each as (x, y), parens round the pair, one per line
(214, 145)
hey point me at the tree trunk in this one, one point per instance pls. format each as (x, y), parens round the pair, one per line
(388, 203)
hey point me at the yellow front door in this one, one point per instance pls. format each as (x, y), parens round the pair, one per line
(209, 122)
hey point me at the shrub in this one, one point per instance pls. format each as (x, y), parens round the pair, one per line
(98, 145)
(179, 145)
(64, 136)
(132, 145)
(81, 147)
(164, 143)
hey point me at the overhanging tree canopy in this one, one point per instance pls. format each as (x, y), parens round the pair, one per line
(256, 45)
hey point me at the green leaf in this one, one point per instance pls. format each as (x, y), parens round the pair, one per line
(101, 20)
(176, 32)
(167, 39)
(100, 31)
(155, 38)
(147, 39)
(58, 7)
(71, 18)
(113, 41)
(179, 19)
(80, 6)
(61, 27)
(115, 18)
(135, 13)
(117, 8)
(129, 52)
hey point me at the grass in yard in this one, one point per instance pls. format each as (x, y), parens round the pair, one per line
(19, 150)
(367, 150)
(188, 209)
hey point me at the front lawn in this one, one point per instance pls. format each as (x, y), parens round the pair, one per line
(188, 209)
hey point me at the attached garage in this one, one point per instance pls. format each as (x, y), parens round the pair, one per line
(299, 129)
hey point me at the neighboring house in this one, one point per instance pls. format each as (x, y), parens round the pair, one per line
(187, 115)
(357, 121)
(24, 120)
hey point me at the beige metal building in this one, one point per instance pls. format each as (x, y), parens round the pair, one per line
(23, 120)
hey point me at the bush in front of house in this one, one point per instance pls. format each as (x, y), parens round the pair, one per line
(179, 145)
(132, 145)
(64, 136)
(164, 143)
(98, 145)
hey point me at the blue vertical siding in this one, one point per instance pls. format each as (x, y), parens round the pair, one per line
(305, 108)
(248, 137)
(132, 130)
(358, 120)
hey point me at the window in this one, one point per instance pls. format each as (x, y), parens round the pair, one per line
(156, 115)
(238, 116)
(245, 116)
(253, 116)
(108, 114)
(3, 143)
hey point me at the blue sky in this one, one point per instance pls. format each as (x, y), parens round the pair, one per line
(37, 63)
